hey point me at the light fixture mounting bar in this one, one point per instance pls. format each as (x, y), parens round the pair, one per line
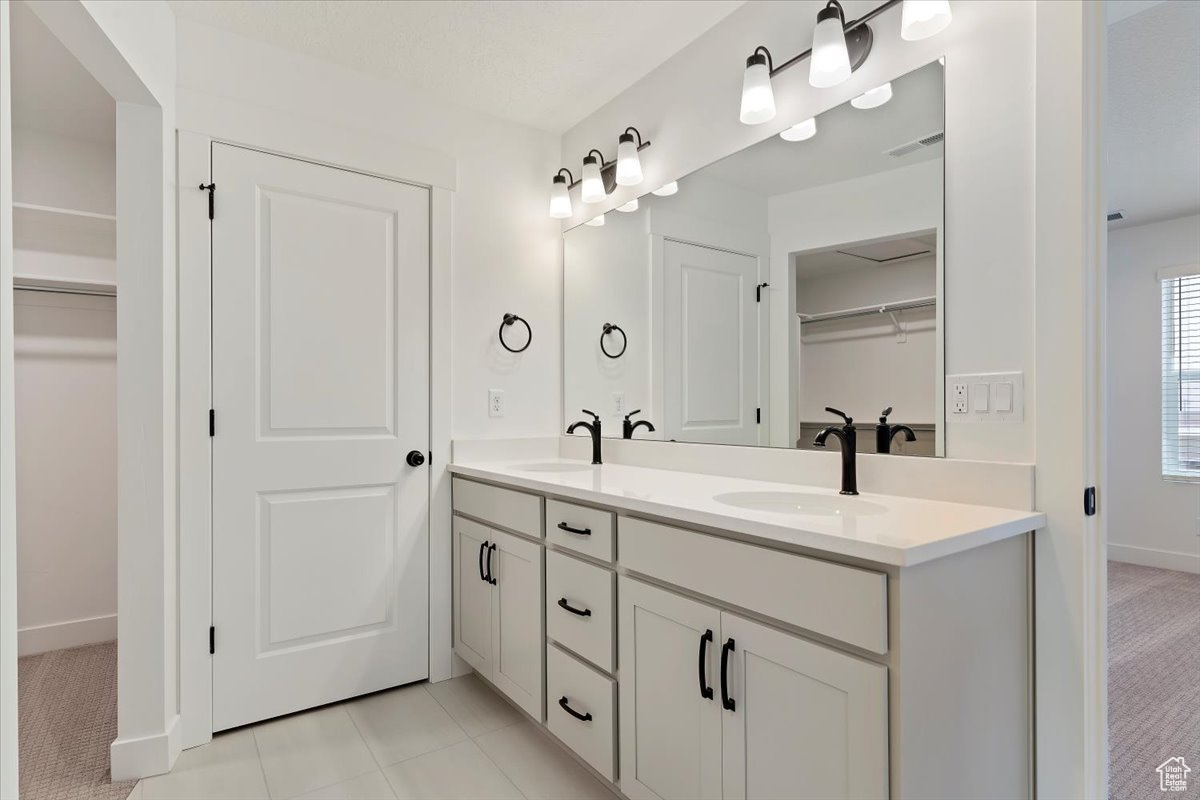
(603, 166)
(849, 27)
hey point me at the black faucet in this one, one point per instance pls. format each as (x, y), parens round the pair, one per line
(848, 436)
(593, 428)
(884, 433)
(628, 427)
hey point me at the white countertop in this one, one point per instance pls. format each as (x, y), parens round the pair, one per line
(907, 531)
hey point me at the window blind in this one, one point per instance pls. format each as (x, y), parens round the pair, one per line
(1181, 377)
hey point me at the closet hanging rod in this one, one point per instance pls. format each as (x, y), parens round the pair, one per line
(865, 311)
(66, 290)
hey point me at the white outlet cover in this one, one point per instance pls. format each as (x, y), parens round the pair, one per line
(495, 403)
(985, 386)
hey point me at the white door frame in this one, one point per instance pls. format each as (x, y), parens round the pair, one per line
(195, 393)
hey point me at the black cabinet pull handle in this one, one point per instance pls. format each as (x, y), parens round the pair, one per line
(482, 548)
(562, 701)
(583, 612)
(491, 578)
(562, 526)
(728, 702)
(705, 690)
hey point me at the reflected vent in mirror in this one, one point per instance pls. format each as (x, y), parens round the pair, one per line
(917, 144)
(889, 252)
(1114, 216)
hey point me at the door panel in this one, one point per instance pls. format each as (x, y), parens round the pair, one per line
(670, 734)
(519, 631)
(710, 331)
(472, 596)
(320, 386)
(809, 723)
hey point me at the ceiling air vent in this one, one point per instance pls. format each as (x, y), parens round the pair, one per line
(1113, 216)
(910, 147)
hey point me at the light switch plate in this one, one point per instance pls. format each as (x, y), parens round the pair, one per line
(985, 395)
(495, 402)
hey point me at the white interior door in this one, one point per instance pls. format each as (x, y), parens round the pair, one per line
(710, 342)
(320, 292)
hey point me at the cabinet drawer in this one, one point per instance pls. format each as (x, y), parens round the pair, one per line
(844, 603)
(587, 693)
(586, 588)
(597, 542)
(505, 508)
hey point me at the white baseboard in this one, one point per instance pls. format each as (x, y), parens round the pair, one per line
(143, 756)
(60, 635)
(1149, 557)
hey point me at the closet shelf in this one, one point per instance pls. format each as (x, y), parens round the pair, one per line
(64, 230)
(863, 311)
(69, 212)
(41, 283)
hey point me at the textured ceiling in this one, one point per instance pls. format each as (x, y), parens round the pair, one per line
(544, 64)
(1154, 113)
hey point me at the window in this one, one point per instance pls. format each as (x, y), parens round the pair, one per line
(1181, 373)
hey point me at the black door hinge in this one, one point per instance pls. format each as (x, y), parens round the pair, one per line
(758, 291)
(212, 640)
(211, 188)
(758, 416)
(212, 422)
(1089, 501)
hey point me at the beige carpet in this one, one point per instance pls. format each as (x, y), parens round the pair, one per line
(1153, 678)
(68, 701)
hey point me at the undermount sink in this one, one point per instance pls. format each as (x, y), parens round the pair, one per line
(554, 466)
(802, 503)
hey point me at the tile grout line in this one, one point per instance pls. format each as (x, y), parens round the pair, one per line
(258, 753)
(475, 741)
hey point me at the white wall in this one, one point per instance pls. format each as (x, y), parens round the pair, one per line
(688, 108)
(66, 417)
(505, 250)
(1151, 521)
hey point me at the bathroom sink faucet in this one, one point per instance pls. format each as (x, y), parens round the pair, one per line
(628, 427)
(847, 435)
(884, 433)
(593, 428)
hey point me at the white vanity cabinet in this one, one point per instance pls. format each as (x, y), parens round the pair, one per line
(498, 597)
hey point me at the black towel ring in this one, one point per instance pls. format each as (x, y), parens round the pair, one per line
(609, 328)
(509, 319)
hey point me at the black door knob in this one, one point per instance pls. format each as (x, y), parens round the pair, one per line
(415, 458)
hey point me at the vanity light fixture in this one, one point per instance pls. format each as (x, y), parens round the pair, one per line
(667, 189)
(595, 222)
(920, 19)
(830, 62)
(629, 165)
(560, 198)
(758, 100)
(800, 131)
(593, 184)
(632, 205)
(873, 98)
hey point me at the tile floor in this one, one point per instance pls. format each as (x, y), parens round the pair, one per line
(453, 740)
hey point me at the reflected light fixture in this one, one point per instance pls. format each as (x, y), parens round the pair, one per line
(595, 222)
(593, 184)
(632, 205)
(873, 98)
(830, 62)
(629, 165)
(758, 99)
(920, 19)
(800, 131)
(560, 198)
(667, 189)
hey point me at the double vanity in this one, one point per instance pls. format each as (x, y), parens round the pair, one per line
(698, 636)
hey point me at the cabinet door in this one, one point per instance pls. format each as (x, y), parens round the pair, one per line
(807, 721)
(670, 731)
(518, 621)
(472, 595)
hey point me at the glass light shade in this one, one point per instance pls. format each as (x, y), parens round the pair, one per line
(632, 205)
(920, 19)
(560, 199)
(758, 100)
(800, 131)
(873, 98)
(592, 190)
(830, 61)
(666, 190)
(629, 166)
(595, 222)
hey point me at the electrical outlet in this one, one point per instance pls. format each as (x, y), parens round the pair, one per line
(495, 402)
(618, 404)
(959, 393)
